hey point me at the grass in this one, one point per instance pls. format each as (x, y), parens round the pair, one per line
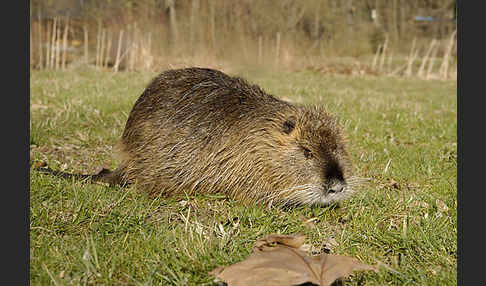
(402, 134)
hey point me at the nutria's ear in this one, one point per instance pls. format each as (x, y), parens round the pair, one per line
(289, 125)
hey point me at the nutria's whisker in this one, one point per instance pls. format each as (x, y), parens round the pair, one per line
(358, 179)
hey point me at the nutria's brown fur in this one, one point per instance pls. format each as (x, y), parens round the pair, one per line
(199, 130)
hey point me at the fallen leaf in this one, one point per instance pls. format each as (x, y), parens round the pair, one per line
(338, 266)
(39, 164)
(280, 260)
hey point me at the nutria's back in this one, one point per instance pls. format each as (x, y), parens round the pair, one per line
(199, 130)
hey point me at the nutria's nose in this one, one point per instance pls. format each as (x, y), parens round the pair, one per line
(336, 188)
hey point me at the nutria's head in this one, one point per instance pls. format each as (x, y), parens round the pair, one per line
(311, 164)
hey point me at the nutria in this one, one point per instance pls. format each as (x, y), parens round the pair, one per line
(198, 130)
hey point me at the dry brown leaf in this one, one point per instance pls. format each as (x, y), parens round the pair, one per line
(39, 164)
(280, 260)
(338, 266)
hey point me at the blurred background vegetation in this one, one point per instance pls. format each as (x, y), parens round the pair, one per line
(397, 37)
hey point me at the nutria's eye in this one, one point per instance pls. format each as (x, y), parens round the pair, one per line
(307, 153)
(288, 125)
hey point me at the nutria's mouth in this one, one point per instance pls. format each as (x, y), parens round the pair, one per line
(314, 194)
(307, 194)
(333, 196)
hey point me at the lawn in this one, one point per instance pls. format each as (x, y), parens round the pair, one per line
(402, 135)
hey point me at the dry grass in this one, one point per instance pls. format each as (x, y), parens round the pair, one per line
(402, 134)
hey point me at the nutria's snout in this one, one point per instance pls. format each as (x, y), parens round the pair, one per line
(332, 192)
(335, 182)
(337, 187)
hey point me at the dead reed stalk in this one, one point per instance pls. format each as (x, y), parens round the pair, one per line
(135, 52)
(108, 49)
(98, 45)
(58, 47)
(397, 70)
(54, 32)
(126, 52)
(389, 62)
(383, 54)
(85, 29)
(48, 45)
(40, 64)
(64, 44)
(212, 25)
(420, 72)
(260, 51)
(118, 51)
(444, 67)
(411, 58)
(147, 53)
(134, 49)
(432, 62)
(277, 48)
(102, 48)
(375, 58)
